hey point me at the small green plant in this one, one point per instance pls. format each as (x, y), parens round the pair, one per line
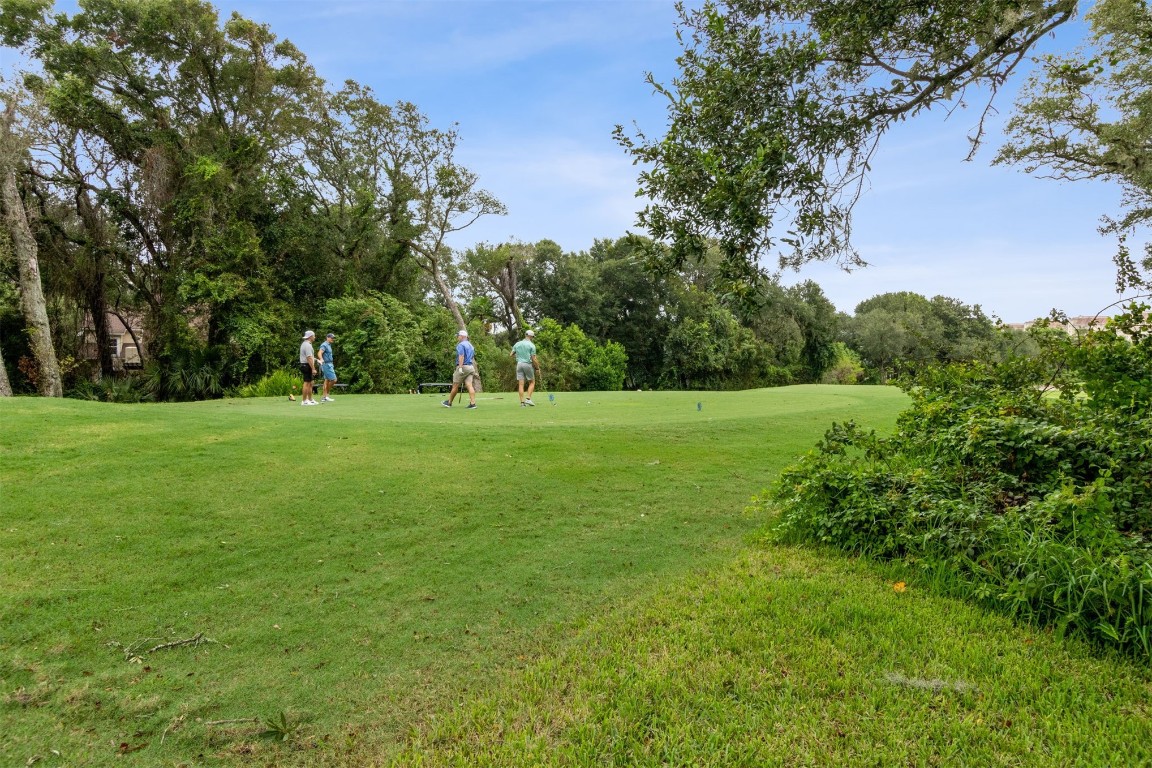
(279, 727)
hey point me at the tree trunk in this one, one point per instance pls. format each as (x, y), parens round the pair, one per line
(31, 292)
(97, 307)
(140, 353)
(92, 279)
(448, 299)
(521, 326)
(5, 385)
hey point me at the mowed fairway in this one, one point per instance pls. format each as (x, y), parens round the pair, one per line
(354, 567)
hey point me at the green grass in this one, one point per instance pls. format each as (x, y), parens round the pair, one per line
(385, 581)
(795, 658)
(354, 567)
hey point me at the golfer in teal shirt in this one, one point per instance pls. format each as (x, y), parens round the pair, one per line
(526, 366)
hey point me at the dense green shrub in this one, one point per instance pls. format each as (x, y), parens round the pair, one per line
(572, 361)
(112, 389)
(191, 372)
(1025, 484)
(377, 341)
(279, 383)
(846, 367)
(709, 348)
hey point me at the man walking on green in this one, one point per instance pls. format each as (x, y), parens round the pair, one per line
(527, 366)
(465, 370)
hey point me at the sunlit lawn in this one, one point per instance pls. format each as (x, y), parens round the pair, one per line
(174, 577)
(788, 657)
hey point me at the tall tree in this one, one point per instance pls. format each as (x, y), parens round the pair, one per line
(389, 184)
(346, 172)
(1088, 115)
(440, 196)
(191, 111)
(12, 154)
(779, 105)
(880, 336)
(498, 269)
(819, 322)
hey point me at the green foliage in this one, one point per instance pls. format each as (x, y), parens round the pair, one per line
(605, 367)
(608, 294)
(570, 361)
(279, 383)
(688, 328)
(708, 348)
(778, 107)
(191, 373)
(1039, 505)
(435, 358)
(903, 330)
(231, 193)
(846, 367)
(376, 340)
(279, 727)
(190, 113)
(112, 389)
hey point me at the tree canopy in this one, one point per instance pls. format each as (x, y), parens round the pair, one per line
(1088, 115)
(200, 166)
(779, 105)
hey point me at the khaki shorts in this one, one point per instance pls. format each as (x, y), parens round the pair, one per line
(463, 375)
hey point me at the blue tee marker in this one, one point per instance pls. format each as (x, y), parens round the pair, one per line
(552, 398)
(699, 406)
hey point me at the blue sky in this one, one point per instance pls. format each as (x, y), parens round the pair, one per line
(536, 87)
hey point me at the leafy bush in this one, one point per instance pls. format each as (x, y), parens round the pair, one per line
(189, 373)
(112, 389)
(605, 368)
(1038, 504)
(572, 361)
(846, 367)
(376, 342)
(276, 384)
(709, 348)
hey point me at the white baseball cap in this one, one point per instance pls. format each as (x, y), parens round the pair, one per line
(308, 334)
(529, 332)
(462, 332)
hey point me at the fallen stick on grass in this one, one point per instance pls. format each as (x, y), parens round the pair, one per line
(196, 639)
(231, 722)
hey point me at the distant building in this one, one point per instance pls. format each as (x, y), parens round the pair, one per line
(125, 337)
(1074, 326)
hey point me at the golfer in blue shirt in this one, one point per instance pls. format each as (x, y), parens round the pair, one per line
(465, 371)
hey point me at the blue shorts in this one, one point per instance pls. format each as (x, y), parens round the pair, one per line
(329, 371)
